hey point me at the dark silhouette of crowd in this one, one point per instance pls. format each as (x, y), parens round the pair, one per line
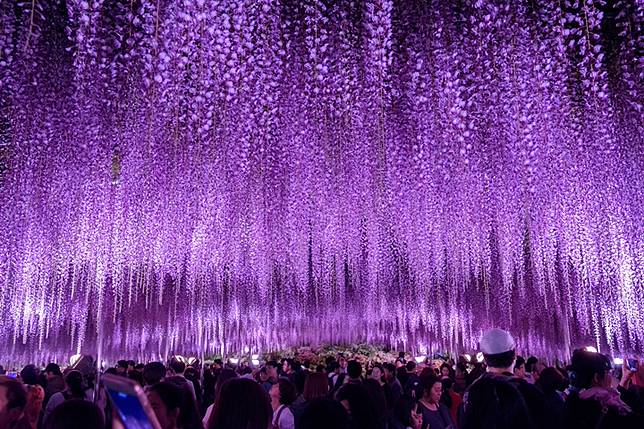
(498, 390)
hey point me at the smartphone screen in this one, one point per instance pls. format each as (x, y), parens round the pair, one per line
(632, 364)
(130, 410)
(12, 374)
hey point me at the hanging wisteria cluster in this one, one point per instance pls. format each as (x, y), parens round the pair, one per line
(197, 176)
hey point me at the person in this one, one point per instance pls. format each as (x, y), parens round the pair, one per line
(498, 348)
(224, 376)
(393, 388)
(192, 375)
(282, 395)
(435, 414)
(361, 409)
(592, 402)
(532, 369)
(272, 375)
(75, 389)
(460, 377)
(354, 372)
(324, 413)
(519, 367)
(189, 417)
(315, 386)
(76, 414)
(412, 383)
(13, 400)
(165, 399)
(450, 398)
(35, 395)
(121, 368)
(137, 376)
(405, 415)
(377, 374)
(153, 373)
(54, 381)
(551, 382)
(446, 371)
(495, 403)
(242, 403)
(336, 378)
(631, 386)
(375, 391)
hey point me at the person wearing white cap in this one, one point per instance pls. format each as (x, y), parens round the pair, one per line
(498, 348)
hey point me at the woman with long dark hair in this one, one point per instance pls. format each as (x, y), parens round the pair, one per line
(241, 404)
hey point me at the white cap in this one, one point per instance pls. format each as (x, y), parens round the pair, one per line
(495, 341)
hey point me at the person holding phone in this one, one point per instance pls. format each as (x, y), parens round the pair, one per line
(631, 385)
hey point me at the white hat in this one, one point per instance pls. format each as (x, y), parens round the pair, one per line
(495, 341)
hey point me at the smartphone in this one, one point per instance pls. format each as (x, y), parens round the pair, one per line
(12, 374)
(130, 403)
(632, 364)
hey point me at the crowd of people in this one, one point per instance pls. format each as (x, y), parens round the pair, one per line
(502, 391)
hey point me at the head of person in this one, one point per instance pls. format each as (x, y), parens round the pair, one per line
(224, 376)
(498, 350)
(271, 369)
(354, 369)
(316, 385)
(153, 372)
(76, 414)
(495, 403)
(13, 400)
(121, 367)
(551, 380)
(333, 368)
(30, 374)
(165, 399)
(242, 403)
(130, 365)
(192, 374)
(52, 370)
(432, 388)
(446, 370)
(410, 366)
(519, 367)
(177, 366)
(287, 366)
(282, 393)
(323, 413)
(531, 364)
(75, 384)
(389, 370)
(136, 375)
(262, 375)
(589, 369)
(377, 372)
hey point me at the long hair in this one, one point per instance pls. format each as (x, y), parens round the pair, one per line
(316, 386)
(74, 381)
(241, 404)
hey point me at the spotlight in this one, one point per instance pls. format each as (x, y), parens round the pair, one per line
(590, 349)
(246, 349)
(467, 357)
(420, 359)
(255, 357)
(234, 361)
(479, 357)
(192, 360)
(74, 359)
(618, 361)
(255, 362)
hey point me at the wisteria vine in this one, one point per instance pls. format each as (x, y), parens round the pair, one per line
(230, 176)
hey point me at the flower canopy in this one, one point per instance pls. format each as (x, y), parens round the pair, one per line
(197, 176)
